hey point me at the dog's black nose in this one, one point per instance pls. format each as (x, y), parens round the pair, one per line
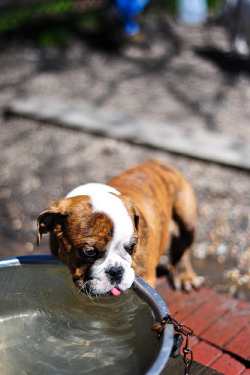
(115, 275)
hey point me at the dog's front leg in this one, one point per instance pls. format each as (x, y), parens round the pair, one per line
(182, 274)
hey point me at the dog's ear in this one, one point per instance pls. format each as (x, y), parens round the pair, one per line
(50, 220)
(132, 209)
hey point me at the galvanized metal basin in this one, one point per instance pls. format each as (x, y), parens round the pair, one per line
(47, 326)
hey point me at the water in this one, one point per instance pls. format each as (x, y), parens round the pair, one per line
(48, 327)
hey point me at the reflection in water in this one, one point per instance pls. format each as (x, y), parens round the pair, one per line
(48, 327)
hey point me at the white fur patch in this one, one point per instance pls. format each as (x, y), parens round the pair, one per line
(92, 189)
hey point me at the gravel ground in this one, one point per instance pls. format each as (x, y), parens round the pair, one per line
(183, 76)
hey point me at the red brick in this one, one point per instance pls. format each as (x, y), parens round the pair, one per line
(240, 343)
(190, 302)
(246, 372)
(193, 341)
(209, 313)
(167, 293)
(228, 325)
(205, 353)
(228, 365)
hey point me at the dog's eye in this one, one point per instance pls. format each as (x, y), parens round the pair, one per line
(130, 248)
(89, 255)
(89, 252)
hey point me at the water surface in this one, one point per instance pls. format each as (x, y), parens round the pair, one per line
(48, 327)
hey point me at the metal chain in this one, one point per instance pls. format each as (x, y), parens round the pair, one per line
(187, 361)
(184, 330)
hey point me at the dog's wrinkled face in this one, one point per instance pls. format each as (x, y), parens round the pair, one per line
(96, 236)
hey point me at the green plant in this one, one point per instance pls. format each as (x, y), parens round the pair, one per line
(17, 18)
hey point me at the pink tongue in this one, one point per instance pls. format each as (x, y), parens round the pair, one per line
(115, 291)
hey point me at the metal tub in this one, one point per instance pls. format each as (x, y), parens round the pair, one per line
(9, 271)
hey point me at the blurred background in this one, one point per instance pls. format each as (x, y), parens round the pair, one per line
(182, 63)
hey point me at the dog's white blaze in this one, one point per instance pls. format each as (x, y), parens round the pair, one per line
(92, 189)
(103, 201)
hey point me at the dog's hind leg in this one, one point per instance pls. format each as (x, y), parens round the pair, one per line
(183, 233)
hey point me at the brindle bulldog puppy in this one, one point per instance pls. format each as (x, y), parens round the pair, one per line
(107, 234)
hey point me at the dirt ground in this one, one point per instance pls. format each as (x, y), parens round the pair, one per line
(183, 76)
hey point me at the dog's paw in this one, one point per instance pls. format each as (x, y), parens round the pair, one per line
(185, 279)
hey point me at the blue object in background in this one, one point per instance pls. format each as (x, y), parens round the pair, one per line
(126, 10)
(192, 11)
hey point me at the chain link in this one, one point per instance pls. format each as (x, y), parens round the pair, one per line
(187, 352)
(184, 330)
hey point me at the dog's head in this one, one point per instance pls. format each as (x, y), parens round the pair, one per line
(96, 236)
